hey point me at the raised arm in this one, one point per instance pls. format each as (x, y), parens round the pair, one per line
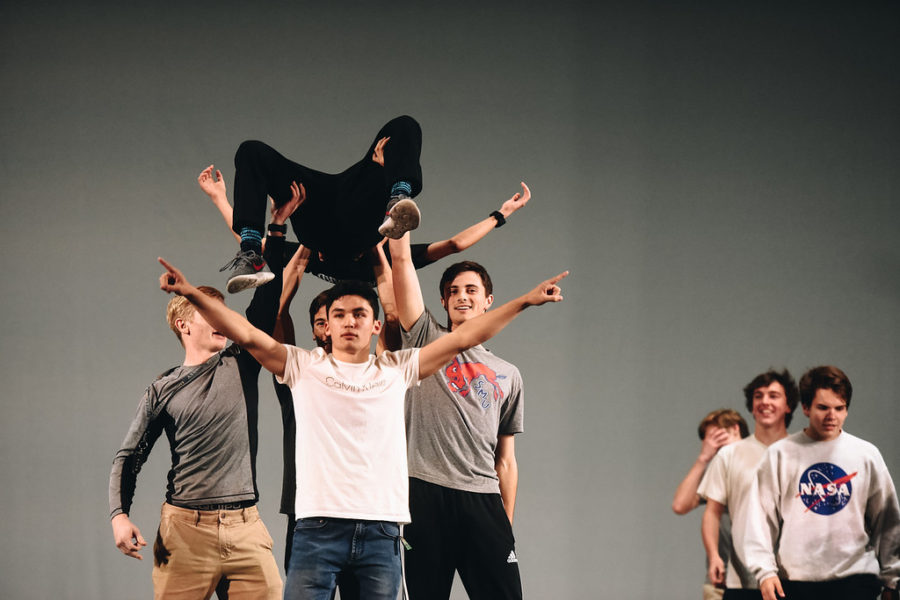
(293, 273)
(483, 327)
(214, 187)
(407, 292)
(472, 235)
(686, 498)
(270, 354)
(389, 338)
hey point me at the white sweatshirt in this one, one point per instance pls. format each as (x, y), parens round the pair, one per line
(821, 511)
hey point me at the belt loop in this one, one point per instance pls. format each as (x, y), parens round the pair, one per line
(197, 514)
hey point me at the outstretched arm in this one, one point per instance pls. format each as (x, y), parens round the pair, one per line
(270, 354)
(484, 327)
(407, 292)
(472, 235)
(214, 187)
(686, 498)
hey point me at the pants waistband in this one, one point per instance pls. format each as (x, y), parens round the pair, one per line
(219, 505)
(233, 515)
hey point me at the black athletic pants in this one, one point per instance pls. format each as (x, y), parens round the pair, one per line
(741, 594)
(342, 212)
(452, 530)
(855, 587)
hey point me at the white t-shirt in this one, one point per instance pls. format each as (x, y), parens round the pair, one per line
(351, 440)
(728, 481)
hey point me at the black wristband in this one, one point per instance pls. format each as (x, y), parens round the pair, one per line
(501, 220)
(278, 228)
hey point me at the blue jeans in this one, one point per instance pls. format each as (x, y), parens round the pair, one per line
(325, 547)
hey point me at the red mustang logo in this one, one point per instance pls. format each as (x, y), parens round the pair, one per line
(474, 377)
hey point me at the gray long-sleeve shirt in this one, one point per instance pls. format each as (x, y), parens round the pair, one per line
(211, 423)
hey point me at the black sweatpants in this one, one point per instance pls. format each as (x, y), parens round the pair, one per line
(453, 530)
(855, 587)
(342, 212)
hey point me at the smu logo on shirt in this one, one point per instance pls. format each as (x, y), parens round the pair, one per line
(465, 377)
(825, 488)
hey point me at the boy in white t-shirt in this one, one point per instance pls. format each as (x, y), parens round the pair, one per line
(771, 398)
(351, 443)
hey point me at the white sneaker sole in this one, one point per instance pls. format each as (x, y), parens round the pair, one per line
(239, 283)
(404, 216)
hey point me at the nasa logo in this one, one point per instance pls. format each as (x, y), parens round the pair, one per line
(825, 488)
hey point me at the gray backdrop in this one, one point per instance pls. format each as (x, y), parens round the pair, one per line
(720, 177)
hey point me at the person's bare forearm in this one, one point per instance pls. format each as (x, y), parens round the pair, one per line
(269, 353)
(508, 474)
(473, 234)
(686, 498)
(463, 240)
(709, 528)
(406, 288)
(389, 338)
(229, 323)
(484, 327)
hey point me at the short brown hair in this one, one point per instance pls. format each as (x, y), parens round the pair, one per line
(462, 267)
(791, 394)
(180, 307)
(724, 418)
(825, 378)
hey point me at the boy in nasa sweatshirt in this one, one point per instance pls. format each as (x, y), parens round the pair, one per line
(823, 517)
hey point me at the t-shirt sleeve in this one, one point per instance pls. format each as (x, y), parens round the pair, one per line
(297, 360)
(424, 331)
(512, 413)
(406, 361)
(712, 486)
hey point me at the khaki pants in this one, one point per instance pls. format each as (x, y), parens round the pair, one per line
(711, 592)
(195, 549)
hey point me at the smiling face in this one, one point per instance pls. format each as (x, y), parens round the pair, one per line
(351, 325)
(465, 298)
(770, 405)
(826, 413)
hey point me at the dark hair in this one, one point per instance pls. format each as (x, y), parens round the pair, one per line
(317, 303)
(461, 267)
(825, 378)
(352, 288)
(766, 379)
(724, 418)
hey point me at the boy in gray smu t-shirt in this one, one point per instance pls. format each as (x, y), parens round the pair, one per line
(454, 417)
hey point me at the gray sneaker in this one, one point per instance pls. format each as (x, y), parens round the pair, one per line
(403, 216)
(249, 270)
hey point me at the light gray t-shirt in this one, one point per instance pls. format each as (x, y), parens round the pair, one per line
(454, 417)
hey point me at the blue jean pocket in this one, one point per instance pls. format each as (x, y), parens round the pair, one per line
(311, 523)
(391, 530)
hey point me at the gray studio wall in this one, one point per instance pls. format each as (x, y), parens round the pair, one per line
(721, 180)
